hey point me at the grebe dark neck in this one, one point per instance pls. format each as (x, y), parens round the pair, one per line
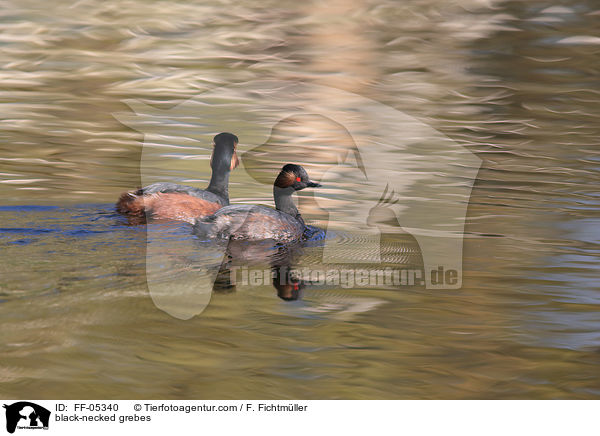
(223, 160)
(285, 203)
(219, 184)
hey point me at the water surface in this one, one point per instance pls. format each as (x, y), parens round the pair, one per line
(513, 82)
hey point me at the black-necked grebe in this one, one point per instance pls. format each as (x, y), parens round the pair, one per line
(186, 203)
(253, 222)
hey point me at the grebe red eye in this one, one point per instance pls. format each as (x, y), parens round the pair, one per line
(298, 179)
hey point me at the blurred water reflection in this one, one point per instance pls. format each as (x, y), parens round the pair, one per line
(514, 82)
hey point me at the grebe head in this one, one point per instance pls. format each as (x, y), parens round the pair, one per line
(295, 177)
(224, 157)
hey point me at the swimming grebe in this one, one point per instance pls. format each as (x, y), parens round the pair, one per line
(254, 222)
(182, 202)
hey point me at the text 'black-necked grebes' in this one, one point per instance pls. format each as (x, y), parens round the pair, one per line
(254, 222)
(182, 202)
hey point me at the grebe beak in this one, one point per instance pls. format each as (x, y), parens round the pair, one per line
(311, 184)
